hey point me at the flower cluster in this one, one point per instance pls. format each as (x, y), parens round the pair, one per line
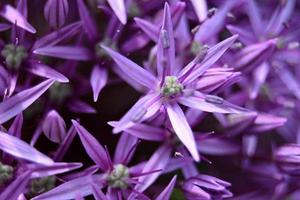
(149, 99)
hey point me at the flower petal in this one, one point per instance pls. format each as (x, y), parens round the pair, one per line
(98, 80)
(255, 18)
(56, 12)
(166, 193)
(182, 129)
(150, 29)
(200, 7)
(93, 148)
(20, 149)
(131, 69)
(16, 127)
(65, 52)
(15, 17)
(124, 148)
(118, 6)
(19, 102)
(54, 127)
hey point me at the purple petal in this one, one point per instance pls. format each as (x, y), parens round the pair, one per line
(56, 12)
(19, 102)
(143, 109)
(245, 36)
(88, 22)
(98, 194)
(4, 27)
(93, 148)
(16, 127)
(166, 193)
(47, 72)
(151, 30)
(124, 148)
(118, 6)
(166, 46)
(54, 127)
(131, 69)
(182, 129)
(65, 52)
(55, 37)
(158, 161)
(15, 17)
(98, 80)
(20, 149)
(211, 103)
(78, 106)
(69, 190)
(255, 18)
(212, 56)
(200, 7)
(17, 187)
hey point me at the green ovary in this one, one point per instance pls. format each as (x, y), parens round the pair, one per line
(14, 55)
(171, 87)
(6, 173)
(118, 176)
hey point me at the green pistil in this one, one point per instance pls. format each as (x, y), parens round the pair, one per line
(171, 87)
(6, 172)
(38, 186)
(100, 52)
(118, 176)
(60, 92)
(14, 55)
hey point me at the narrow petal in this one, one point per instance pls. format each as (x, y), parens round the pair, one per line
(182, 129)
(4, 27)
(124, 148)
(158, 161)
(16, 127)
(20, 149)
(98, 80)
(217, 146)
(131, 69)
(98, 194)
(245, 36)
(69, 190)
(88, 22)
(94, 149)
(19, 102)
(200, 7)
(259, 77)
(212, 56)
(78, 106)
(47, 72)
(15, 17)
(118, 6)
(17, 187)
(211, 103)
(143, 109)
(65, 52)
(150, 29)
(166, 193)
(56, 12)
(57, 36)
(255, 18)
(56, 168)
(166, 46)
(54, 127)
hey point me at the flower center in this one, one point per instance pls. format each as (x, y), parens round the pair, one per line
(171, 87)
(14, 55)
(118, 176)
(40, 185)
(6, 172)
(60, 92)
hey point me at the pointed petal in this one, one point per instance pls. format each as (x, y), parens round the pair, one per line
(143, 109)
(88, 22)
(47, 72)
(150, 29)
(245, 36)
(98, 194)
(124, 148)
(4, 27)
(19, 102)
(16, 127)
(118, 6)
(15, 17)
(20, 149)
(56, 12)
(98, 80)
(255, 18)
(69, 190)
(57, 36)
(145, 132)
(182, 129)
(17, 187)
(217, 146)
(211, 103)
(259, 77)
(166, 193)
(56, 168)
(166, 46)
(65, 52)
(94, 149)
(212, 56)
(200, 7)
(158, 161)
(78, 106)
(131, 69)
(54, 127)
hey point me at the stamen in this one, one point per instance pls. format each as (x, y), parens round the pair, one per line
(165, 39)
(214, 99)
